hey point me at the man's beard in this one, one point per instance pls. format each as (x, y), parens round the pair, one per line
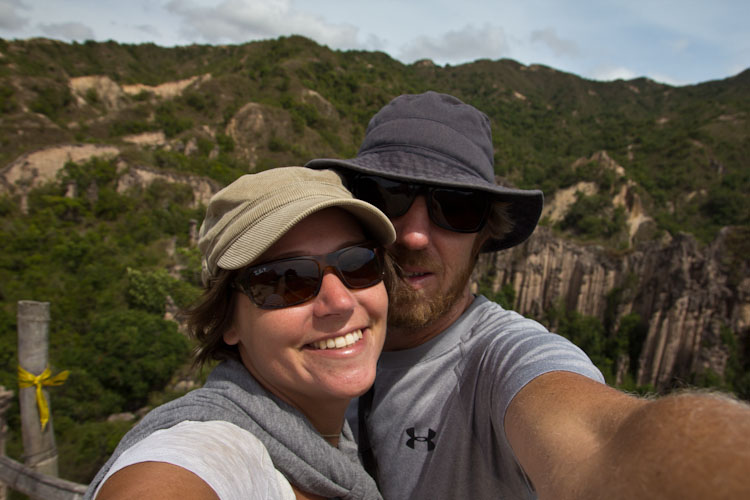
(412, 309)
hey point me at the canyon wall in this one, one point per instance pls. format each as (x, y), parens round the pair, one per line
(684, 292)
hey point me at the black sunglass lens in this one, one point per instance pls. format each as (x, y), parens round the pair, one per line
(393, 198)
(459, 210)
(284, 283)
(289, 282)
(360, 267)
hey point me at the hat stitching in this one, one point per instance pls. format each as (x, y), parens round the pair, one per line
(427, 120)
(474, 145)
(252, 223)
(399, 148)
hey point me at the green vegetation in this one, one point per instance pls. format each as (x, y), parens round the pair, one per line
(99, 259)
(109, 261)
(594, 217)
(506, 296)
(685, 147)
(51, 100)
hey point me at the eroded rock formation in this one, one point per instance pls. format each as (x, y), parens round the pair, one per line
(684, 292)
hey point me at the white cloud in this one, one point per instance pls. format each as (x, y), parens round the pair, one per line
(664, 78)
(737, 68)
(559, 46)
(374, 42)
(10, 18)
(468, 44)
(244, 20)
(609, 73)
(68, 31)
(148, 30)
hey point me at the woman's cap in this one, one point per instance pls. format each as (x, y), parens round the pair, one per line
(437, 139)
(249, 215)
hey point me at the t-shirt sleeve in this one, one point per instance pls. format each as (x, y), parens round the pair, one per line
(523, 351)
(231, 460)
(526, 350)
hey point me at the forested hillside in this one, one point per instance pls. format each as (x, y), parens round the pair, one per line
(108, 153)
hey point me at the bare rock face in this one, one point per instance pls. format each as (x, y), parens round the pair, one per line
(33, 169)
(167, 90)
(249, 127)
(109, 92)
(203, 187)
(685, 293)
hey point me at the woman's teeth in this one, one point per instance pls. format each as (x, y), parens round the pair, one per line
(338, 342)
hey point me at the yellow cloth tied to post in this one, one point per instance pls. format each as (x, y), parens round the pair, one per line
(26, 379)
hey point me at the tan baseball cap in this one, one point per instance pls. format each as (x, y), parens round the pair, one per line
(249, 215)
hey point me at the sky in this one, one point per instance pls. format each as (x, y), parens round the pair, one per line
(678, 42)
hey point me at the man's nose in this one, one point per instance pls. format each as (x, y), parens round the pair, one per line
(413, 228)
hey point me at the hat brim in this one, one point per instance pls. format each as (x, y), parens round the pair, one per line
(413, 165)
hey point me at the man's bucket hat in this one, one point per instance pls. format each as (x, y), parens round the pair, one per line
(434, 138)
(249, 215)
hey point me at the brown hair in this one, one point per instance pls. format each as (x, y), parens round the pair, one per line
(499, 222)
(210, 317)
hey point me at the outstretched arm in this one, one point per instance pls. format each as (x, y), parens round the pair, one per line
(576, 438)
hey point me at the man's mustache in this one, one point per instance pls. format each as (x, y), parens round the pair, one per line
(403, 257)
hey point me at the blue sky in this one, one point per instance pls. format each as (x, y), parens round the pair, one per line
(678, 42)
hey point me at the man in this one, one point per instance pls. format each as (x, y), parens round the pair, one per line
(472, 401)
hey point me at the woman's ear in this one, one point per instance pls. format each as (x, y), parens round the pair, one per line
(231, 336)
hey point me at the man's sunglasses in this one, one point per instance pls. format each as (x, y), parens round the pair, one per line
(460, 210)
(288, 282)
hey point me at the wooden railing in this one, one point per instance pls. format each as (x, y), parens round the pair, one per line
(36, 485)
(37, 476)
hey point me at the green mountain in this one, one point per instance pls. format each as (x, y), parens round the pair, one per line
(683, 146)
(108, 153)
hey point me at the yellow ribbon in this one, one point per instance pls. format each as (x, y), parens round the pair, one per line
(26, 379)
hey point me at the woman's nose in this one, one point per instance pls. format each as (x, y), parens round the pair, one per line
(334, 297)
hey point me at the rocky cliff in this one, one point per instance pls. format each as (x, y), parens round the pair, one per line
(686, 294)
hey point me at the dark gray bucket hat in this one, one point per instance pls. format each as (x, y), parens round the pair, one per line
(436, 139)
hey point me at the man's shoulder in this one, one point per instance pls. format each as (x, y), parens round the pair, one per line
(485, 316)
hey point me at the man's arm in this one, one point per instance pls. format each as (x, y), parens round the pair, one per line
(576, 438)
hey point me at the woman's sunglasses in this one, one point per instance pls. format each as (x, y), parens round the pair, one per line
(460, 210)
(288, 282)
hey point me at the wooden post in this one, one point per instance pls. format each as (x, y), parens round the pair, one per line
(5, 399)
(40, 452)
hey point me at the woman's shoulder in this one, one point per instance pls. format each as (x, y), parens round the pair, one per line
(228, 458)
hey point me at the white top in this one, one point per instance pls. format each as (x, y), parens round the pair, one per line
(228, 458)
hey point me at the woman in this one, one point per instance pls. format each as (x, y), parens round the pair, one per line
(295, 306)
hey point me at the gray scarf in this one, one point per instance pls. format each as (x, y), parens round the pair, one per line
(231, 394)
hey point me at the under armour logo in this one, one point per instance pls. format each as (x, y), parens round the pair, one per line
(422, 439)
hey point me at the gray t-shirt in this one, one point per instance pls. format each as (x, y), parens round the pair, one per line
(436, 423)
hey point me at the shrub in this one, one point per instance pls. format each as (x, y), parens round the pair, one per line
(51, 100)
(131, 353)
